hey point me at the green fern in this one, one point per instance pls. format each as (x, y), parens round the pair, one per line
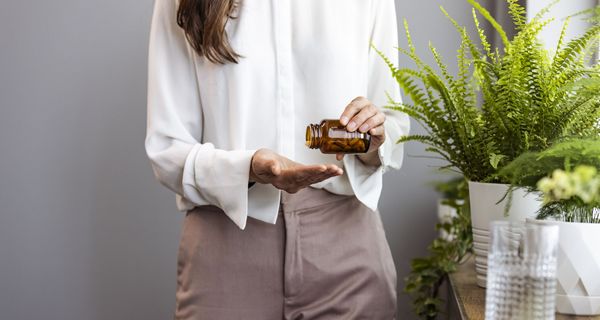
(530, 97)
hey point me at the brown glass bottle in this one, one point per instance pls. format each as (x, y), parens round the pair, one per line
(330, 136)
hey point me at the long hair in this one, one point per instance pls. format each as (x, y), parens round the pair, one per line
(203, 22)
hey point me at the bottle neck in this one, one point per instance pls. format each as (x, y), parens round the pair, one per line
(313, 136)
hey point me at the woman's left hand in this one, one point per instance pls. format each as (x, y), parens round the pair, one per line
(364, 116)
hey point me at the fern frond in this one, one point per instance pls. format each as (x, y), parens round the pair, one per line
(466, 40)
(566, 57)
(488, 16)
(440, 63)
(420, 138)
(482, 37)
(563, 33)
(517, 13)
(544, 11)
(414, 112)
(411, 45)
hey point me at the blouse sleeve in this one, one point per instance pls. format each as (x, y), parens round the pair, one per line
(367, 180)
(381, 83)
(196, 171)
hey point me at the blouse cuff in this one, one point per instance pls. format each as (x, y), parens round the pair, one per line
(219, 178)
(385, 153)
(366, 180)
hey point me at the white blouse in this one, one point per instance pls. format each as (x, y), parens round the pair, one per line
(303, 61)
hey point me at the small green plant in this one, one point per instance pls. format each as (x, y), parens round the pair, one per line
(527, 169)
(429, 273)
(530, 96)
(450, 189)
(571, 196)
(567, 175)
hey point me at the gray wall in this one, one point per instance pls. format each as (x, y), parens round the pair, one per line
(85, 230)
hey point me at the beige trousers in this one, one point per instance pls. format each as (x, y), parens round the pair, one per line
(326, 258)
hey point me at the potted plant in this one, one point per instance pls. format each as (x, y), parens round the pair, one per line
(447, 205)
(567, 175)
(429, 274)
(501, 104)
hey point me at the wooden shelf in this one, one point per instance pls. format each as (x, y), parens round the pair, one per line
(469, 299)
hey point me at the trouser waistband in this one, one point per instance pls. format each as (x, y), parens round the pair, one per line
(308, 198)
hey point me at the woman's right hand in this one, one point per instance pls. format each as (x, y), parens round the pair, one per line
(269, 167)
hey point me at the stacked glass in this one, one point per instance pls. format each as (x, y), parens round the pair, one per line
(521, 280)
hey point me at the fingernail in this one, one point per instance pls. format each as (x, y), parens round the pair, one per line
(364, 127)
(344, 120)
(351, 126)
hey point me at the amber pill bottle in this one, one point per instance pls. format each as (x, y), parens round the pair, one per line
(330, 136)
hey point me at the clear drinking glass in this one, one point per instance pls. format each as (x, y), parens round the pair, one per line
(521, 280)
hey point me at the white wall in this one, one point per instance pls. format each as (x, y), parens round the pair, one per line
(560, 11)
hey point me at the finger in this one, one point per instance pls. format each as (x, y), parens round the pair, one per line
(308, 174)
(316, 168)
(317, 178)
(301, 173)
(352, 109)
(267, 168)
(373, 122)
(335, 169)
(339, 156)
(292, 190)
(305, 181)
(377, 131)
(359, 119)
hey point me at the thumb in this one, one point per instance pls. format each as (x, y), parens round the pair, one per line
(339, 156)
(275, 169)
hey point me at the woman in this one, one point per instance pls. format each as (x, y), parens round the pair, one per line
(274, 230)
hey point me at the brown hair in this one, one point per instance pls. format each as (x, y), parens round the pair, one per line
(203, 22)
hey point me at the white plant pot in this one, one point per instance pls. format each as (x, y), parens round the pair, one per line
(445, 215)
(578, 272)
(485, 208)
